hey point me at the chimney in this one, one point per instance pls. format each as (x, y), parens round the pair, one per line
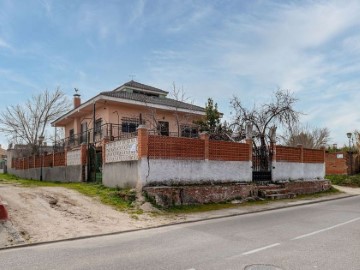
(77, 100)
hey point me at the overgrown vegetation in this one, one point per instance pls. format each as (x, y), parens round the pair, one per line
(345, 180)
(120, 199)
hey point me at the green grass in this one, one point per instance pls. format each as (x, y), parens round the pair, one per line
(120, 199)
(345, 180)
(320, 194)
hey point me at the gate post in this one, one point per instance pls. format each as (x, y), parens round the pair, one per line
(248, 131)
(103, 149)
(143, 141)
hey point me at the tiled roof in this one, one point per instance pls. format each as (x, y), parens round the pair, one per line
(138, 85)
(153, 100)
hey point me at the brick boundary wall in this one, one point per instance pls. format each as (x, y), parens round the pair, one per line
(288, 154)
(307, 187)
(299, 154)
(167, 196)
(314, 155)
(228, 151)
(335, 165)
(342, 166)
(163, 147)
(48, 160)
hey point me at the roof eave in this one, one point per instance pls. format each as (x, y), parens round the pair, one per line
(128, 101)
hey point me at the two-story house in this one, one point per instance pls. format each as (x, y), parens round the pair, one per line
(119, 112)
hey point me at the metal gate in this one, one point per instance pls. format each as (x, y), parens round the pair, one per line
(261, 163)
(95, 164)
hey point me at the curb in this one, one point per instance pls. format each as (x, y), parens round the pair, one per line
(176, 223)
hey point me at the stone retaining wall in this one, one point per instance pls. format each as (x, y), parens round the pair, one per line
(166, 196)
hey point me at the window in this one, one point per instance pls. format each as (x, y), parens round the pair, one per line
(83, 130)
(129, 125)
(189, 131)
(71, 135)
(98, 123)
(163, 128)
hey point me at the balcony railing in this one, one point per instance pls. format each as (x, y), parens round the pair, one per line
(109, 131)
(113, 132)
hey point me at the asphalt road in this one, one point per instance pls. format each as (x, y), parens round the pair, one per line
(319, 236)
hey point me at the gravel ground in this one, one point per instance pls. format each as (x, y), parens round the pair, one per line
(39, 214)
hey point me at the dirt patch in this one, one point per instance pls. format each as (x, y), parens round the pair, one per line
(52, 213)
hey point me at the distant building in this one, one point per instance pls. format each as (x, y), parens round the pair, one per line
(2, 159)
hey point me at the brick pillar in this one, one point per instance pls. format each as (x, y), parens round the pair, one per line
(83, 153)
(143, 141)
(249, 142)
(273, 150)
(301, 153)
(65, 157)
(324, 151)
(205, 136)
(103, 148)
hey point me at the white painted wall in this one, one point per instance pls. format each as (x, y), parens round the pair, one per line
(283, 171)
(193, 171)
(73, 158)
(314, 170)
(121, 174)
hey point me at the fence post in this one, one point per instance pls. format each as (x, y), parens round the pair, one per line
(205, 136)
(103, 148)
(301, 152)
(65, 156)
(83, 153)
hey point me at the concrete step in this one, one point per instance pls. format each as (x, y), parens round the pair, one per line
(274, 191)
(280, 196)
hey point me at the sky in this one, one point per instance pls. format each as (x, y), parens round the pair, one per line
(209, 48)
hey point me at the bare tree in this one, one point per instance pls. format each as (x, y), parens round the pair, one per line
(179, 94)
(278, 112)
(26, 123)
(306, 136)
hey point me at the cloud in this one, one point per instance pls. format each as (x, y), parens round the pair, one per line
(14, 77)
(4, 44)
(47, 5)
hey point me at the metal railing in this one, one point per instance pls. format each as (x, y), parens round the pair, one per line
(114, 132)
(108, 131)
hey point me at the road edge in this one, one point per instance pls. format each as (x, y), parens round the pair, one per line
(178, 223)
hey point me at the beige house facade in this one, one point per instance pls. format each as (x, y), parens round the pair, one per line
(118, 113)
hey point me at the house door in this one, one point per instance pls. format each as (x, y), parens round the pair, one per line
(261, 163)
(95, 164)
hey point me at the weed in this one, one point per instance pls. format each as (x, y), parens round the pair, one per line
(345, 180)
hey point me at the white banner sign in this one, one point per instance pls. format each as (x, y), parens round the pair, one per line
(73, 158)
(123, 150)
